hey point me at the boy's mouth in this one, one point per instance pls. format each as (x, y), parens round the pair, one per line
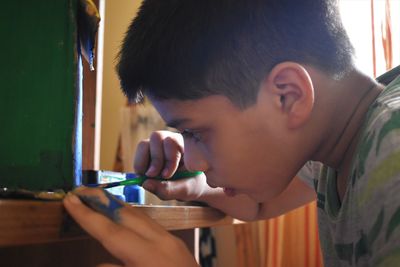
(230, 192)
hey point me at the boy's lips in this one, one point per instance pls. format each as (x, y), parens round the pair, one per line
(230, 192)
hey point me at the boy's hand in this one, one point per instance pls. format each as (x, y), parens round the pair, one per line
(127, 233)
(162, 154)
(159, 155)
(185, 190)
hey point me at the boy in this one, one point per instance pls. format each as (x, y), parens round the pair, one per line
(269, 105)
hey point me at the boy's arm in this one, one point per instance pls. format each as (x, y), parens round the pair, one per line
(127, 233)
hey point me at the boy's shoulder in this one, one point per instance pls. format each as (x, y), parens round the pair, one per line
(383, 115)
(380, 137)
(364, 227)
(389, 76)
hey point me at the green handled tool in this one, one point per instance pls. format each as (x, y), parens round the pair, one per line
(129, 178)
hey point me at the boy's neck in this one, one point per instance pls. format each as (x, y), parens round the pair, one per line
(353, 97)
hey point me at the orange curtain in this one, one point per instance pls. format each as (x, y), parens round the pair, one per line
(247, 254)
(292, 239)
(286, 241)
(385, 35)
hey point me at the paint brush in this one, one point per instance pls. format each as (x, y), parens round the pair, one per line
(128, 178)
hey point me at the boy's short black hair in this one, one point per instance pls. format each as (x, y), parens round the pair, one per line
(189, 49)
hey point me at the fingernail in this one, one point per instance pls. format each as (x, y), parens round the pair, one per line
(73, 198)
(80, 188)
(151, 171)
(165, 173)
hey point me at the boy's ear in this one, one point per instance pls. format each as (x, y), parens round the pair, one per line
(293, 92)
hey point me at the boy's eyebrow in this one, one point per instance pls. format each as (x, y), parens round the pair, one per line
(177, 122)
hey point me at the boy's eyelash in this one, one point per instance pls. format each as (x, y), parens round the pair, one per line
(187, 133)
(190, 134)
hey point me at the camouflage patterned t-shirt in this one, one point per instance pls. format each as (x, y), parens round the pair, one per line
(364, 229)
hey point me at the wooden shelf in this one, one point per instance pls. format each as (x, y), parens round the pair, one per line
(29, 221)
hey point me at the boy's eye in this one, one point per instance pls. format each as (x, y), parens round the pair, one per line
(187, 134)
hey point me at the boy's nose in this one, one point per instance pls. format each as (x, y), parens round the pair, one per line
(194, 160)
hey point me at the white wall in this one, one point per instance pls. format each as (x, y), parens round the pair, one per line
(356, 15)
(118, 14)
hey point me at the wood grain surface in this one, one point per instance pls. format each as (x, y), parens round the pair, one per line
(30, 222)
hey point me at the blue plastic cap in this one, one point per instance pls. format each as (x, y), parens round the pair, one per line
(134, 194)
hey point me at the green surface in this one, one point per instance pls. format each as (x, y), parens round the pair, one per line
(38, 74)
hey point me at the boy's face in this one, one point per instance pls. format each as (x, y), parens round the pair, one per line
(246, 151)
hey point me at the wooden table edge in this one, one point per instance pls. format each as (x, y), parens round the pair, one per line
(25, 222)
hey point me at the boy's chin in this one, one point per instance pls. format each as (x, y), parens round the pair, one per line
(260, 197)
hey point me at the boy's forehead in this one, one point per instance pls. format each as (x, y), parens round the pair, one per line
(206, 102)
(177, 112)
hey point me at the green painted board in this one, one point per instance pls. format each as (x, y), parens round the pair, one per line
(39, 95)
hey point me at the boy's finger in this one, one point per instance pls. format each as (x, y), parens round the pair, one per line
(168, 190)
(156, 154)
(116, 238)
(131, 245)
(105, 203)
(142, 156)
(173, 155)
(101, 201)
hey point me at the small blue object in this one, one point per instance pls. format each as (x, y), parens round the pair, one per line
(131, 176)
(134, 194)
